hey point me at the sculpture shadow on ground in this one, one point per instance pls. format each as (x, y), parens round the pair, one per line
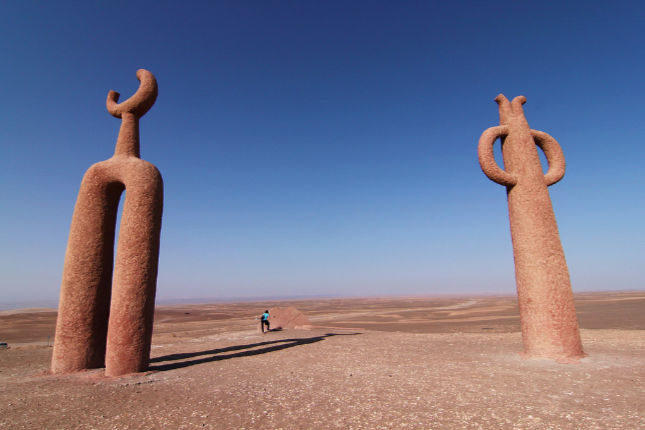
(229, 352)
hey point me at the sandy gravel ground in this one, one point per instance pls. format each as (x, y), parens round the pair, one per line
(322, 379)
(468, 377)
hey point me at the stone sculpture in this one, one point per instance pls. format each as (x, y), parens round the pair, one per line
(105, 319)
(547, 310)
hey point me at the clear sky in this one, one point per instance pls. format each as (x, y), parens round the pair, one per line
(325, 147)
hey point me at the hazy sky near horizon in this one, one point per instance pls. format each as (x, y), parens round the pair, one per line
(325, 147)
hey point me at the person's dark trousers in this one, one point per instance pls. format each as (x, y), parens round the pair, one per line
(267, 323)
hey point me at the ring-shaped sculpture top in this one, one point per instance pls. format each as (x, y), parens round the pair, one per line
(548, 144)
(140, 102)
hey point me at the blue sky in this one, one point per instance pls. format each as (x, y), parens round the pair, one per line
(325, 147)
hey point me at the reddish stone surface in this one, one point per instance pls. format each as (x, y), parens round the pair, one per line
(106, 319)
(286, 318)
(547, 310)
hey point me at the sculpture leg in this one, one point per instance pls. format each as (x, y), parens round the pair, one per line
(135, 282)
(81, 328)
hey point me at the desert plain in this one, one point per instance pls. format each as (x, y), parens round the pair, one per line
(366, 363)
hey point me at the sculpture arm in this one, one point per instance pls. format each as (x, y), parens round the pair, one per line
(554, 156)
(487, 157)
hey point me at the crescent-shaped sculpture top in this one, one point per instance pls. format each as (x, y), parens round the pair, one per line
(140, 102)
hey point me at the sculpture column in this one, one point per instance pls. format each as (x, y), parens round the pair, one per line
(105, 319)
(547, 309)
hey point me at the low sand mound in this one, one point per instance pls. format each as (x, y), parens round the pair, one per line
(287, 318)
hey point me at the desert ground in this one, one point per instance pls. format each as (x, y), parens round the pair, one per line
(369, 363)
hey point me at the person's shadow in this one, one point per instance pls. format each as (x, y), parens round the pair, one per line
(244, 351)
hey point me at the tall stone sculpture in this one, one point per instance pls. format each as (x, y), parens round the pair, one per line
(547, 310)
(105, 319)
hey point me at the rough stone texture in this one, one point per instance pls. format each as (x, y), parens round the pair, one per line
(547, 310)
(106, 321)
(287, 318)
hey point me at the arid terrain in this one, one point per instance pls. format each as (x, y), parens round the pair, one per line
(372, 363)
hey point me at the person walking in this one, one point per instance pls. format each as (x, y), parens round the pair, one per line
(265, 320)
